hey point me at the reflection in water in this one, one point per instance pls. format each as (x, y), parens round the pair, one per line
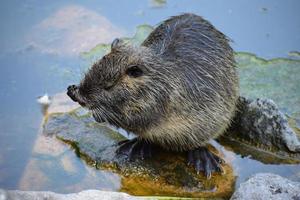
(71, 30)
(248, 160)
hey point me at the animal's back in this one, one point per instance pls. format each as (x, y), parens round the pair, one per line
(197, 47)
(203, 62)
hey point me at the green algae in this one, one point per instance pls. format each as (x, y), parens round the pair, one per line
(294, 54)
(142, 31)
(277, 79)
(96, 53)
(158, 3)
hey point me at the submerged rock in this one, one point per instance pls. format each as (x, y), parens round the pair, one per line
(267, 186)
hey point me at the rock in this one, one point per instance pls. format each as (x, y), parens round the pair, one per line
(166, 173)
(60, 103)
(267, 186)
(86, 194)
(96, 144)
(78, 128)
(260, 123)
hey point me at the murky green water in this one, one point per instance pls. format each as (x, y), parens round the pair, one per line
(45, 46)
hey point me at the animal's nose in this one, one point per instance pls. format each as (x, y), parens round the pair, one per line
(71, 92)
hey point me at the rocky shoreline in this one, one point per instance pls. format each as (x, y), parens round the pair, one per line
(259, 187)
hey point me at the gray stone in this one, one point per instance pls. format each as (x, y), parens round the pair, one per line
(267, 186)
(95, 140)
(260, 123)
(96, 143)
(45, 195)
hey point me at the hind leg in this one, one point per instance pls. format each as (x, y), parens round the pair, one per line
(135, 149)
(203, 160)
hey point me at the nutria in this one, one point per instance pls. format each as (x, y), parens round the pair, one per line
(177, 90)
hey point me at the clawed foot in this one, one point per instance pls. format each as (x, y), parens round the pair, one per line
(203, 160)
(135, 149)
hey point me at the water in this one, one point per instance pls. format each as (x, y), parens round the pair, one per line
(41, 42)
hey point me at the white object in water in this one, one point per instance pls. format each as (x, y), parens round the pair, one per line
(44, 100)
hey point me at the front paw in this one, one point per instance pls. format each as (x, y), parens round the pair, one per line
(203, 160)
(135, 149)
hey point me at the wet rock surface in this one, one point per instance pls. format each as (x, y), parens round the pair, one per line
(261, 124)
(267, 186)
(87, 194)
(262, 121)
(164, 174)
(79, 129)
(167, 173)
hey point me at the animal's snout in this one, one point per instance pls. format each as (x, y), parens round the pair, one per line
(74, 95)
(72, 89)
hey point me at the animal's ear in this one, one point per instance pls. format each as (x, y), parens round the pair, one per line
(115, 43)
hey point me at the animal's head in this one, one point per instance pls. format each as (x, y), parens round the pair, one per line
(129, 87)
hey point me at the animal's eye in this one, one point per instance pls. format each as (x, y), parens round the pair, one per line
(134, 71)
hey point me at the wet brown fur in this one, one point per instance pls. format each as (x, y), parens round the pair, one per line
(188, 91)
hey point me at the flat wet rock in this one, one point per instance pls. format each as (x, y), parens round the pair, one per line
(165, 174)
